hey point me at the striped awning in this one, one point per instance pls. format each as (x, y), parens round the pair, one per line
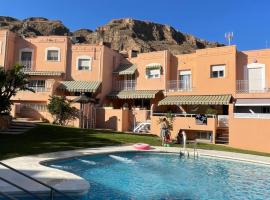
(79, 86)
(196, 100)
(44, 73)
(154, 66)
(126, 69)
(134, 94)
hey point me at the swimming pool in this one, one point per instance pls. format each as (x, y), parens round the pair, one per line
(139, 175)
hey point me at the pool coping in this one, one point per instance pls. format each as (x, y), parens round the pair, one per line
(33, 165)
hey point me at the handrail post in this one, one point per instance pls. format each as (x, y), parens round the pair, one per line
(51, 195)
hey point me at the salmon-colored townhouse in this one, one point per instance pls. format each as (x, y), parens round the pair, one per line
(216, 95)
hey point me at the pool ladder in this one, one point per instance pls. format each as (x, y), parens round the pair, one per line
(53, 191)
(183, 151)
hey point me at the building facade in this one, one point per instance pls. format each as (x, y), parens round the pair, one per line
(216, 95)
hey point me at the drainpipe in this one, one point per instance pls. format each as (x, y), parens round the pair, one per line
(165, 70)
(5, 44)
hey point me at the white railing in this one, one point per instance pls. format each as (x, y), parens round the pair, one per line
(183, 115)
(254, 86)
(27, 64)
(124, 85)
(37, 89)
(223, 120)
(252, 115)
(179, 85)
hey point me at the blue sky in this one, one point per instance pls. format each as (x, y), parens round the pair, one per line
(207, 19)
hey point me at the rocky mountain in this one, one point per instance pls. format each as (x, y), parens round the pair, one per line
(120, 34)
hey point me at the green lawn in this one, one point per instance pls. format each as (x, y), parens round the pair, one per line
(50, 138)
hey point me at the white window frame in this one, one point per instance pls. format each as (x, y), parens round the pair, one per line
(157, 75)
(84, 57)
(53, 49)
(218, 68)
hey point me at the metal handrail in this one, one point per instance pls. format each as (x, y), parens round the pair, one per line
(21, 188)
(183, 115)
(7, 196)
(52, 189)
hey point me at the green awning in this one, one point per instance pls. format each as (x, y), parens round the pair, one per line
(196, 100)
(126, 69)
(44, 73)
(153, 66)
(134, 94)
(79, 86)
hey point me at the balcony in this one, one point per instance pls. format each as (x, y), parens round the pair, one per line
(40, 89)
(179, 86)
(124, 85)
(252, 115)
(251, 86)
(27, 65)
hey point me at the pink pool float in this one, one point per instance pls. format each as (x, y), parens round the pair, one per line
(141, 146)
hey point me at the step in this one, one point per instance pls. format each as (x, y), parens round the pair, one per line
(17, 130)
(23, 119)
(11, 133)
(222, 137)
(19, 125)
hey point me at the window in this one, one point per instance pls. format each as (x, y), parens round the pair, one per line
(26, 56)
(153, 73)
(204, 135)
(83, 64)
(37, 85)
(33, 106)
(53, 54)
(217, 71)
(185, 80)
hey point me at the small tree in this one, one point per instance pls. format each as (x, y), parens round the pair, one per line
(170, 119)
(61, 110)
(11, 81)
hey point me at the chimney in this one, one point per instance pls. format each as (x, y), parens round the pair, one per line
(132, 53)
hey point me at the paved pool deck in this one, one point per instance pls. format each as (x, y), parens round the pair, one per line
(71, 183)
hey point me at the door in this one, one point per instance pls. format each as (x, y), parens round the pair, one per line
(256, 79)
(185, 80)
(26, 59)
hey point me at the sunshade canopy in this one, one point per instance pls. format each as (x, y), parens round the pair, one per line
(44, 73)
(126, 69)
(83, 99)
(137, 94)
(196, 100)
(79, 86)
(153, 66)
(252, 102)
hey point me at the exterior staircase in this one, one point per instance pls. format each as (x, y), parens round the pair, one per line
(222, 136)
(19, 126)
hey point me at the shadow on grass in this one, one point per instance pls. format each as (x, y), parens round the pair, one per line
(52, 138)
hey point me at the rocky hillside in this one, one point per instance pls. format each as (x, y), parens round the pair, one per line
(120, 34)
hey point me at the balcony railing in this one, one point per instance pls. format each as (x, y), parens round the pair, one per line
(124, 85)
(27, 64)
(252, 115)
(254, 86)
(37, 89)
(179, 85)
(223, 121)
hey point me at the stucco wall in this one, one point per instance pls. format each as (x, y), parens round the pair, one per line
(186, 123)
(251, 134)
(200, 65)
(115, 119)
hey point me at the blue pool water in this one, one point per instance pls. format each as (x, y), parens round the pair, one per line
(138, 175)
